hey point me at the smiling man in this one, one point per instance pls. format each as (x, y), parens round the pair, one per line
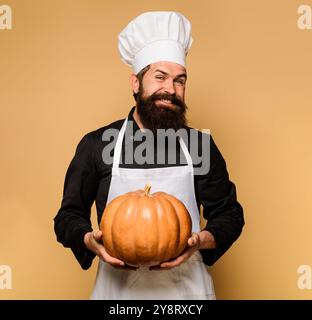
(155, 45)
(160, 96)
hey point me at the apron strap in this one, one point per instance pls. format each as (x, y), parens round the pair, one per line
(118, 146)
(186, 152)
(117, 151)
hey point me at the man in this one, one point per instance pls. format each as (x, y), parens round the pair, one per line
(155, 45)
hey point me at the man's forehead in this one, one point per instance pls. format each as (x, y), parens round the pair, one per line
(168, 67)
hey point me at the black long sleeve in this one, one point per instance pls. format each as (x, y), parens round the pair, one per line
(73, 219)
(217, 194)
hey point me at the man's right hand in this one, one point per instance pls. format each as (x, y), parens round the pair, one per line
(93, 241)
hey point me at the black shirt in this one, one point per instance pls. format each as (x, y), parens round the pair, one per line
(88, 179)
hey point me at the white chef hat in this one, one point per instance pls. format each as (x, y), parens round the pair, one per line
(155, 36)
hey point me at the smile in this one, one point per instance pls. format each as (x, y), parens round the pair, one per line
(165, 102)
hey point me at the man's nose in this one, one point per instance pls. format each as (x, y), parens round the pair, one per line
(169, 86)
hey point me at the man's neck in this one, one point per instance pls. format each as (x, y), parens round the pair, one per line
(137, 119)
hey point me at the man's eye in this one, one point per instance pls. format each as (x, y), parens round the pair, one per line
(181, 81)
(160, 77)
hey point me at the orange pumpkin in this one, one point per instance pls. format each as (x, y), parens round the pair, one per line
(140, 228)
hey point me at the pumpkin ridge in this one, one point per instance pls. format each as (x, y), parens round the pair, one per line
(160, 248)
(178, 224)
(135, 219)
(169, 199)
(113, 223)
(178, 205)
(107, 207)
(148, 243)
(157, 227)
(176, 244)
(114, 245)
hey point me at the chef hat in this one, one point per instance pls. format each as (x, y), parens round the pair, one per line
(155, 36)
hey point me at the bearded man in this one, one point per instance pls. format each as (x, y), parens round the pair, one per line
(155, 45)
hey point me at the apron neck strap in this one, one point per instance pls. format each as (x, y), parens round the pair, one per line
(186, 152)
(118, 147)
(117, 151)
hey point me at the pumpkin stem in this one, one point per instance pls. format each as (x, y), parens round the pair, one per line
(147, 189)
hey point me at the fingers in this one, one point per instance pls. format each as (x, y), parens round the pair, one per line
(94, 243)
(194, 240)
(177, 261)
(102, 253)
(97, 234)
(116, 263)
(167, 265)
(193, 243)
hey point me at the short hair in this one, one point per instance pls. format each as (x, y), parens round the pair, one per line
(140, 76)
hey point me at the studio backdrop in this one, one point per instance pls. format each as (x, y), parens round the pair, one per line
(249, 82)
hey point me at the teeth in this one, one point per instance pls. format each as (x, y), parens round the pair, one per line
(167, 101)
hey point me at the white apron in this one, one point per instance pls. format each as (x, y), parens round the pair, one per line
(191, 279)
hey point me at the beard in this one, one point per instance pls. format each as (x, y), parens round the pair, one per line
(158, 116)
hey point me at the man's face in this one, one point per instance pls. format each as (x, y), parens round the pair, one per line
(165, 78)
(160, 101)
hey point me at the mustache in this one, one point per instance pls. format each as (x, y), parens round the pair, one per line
(170, 97)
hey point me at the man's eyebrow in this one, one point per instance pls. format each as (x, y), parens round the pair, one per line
(178, 76)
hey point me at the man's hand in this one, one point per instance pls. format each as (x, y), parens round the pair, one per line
(201, 240)
(93, 241)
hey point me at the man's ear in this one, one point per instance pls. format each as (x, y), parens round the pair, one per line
(135, 84)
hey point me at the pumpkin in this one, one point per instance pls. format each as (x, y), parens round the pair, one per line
(144, 229)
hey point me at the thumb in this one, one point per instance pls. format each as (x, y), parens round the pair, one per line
(97, 234)
(193, 240)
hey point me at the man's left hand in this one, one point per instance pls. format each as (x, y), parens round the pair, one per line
(201, 240)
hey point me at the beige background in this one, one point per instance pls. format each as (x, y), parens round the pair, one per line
(250, 74)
